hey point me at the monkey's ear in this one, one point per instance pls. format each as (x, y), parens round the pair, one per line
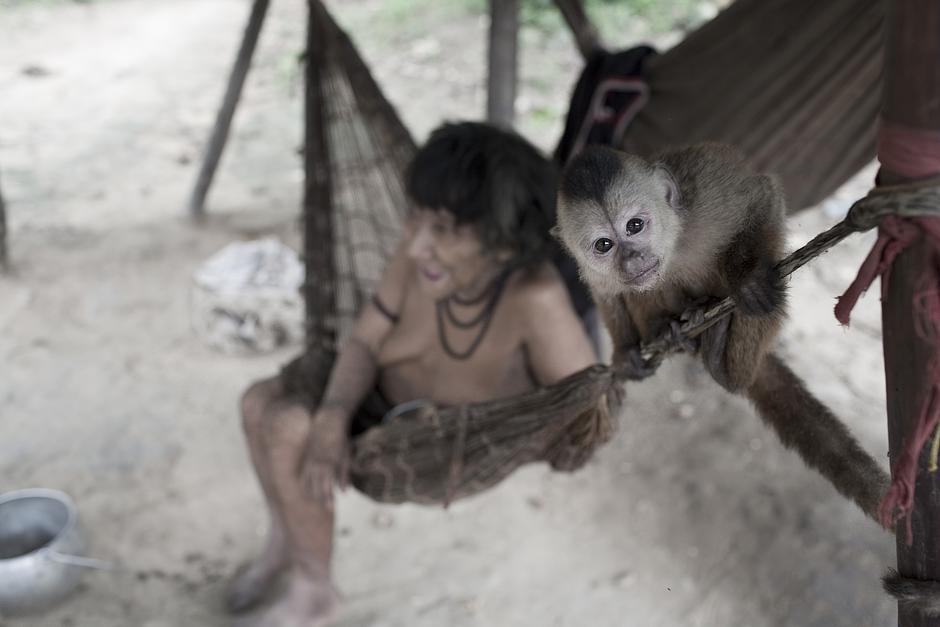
(555, 232)
(668, 179)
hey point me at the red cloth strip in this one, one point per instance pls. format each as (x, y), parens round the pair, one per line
(910, 152)
(894, 235)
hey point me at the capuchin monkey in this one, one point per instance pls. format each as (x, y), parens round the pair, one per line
(654, 239)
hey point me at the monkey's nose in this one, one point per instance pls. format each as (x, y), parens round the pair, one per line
(629, 255)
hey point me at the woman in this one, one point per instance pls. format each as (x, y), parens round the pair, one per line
(469, 309)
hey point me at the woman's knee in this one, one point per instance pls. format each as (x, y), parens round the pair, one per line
(255, 402)
(287, 425)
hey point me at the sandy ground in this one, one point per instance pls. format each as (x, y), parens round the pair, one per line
(694, 515)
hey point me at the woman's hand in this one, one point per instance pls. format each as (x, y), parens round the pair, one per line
(327, 455)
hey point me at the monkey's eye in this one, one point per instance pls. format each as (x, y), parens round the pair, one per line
(634, 226)
(603, 245)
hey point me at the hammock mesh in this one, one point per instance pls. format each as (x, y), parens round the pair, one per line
(793, 83)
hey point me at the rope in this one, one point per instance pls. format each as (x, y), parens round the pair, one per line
(457, 458)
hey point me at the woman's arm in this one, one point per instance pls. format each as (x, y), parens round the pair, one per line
(353, 375)
(556, 342)
(354, 372)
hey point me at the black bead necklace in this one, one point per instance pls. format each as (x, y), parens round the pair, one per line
(489, 296)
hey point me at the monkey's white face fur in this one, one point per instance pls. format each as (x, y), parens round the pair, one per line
(618, 216)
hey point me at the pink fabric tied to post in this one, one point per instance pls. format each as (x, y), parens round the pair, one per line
(895, 234)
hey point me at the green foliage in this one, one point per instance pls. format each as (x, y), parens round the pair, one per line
(405, 18)
(615, 18)
(10, 4)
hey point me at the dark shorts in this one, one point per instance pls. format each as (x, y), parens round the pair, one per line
(304, 380)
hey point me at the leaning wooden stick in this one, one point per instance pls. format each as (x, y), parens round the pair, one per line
(227, 110)
(4, 254)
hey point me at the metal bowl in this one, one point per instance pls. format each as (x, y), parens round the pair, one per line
(39, 545)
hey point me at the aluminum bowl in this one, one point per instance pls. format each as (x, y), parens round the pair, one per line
(40, 545)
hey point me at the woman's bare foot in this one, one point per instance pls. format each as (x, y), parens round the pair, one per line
(250, 584)
(307, 602)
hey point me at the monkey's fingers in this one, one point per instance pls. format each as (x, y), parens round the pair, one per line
(681, 341)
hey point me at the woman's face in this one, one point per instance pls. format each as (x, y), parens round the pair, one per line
(449, 258)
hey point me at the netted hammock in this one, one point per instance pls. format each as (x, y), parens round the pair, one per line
(355, 204)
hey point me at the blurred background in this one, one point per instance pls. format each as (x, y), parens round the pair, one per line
(693, 515)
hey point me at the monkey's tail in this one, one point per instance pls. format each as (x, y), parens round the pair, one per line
(805, 424)
(919, 594)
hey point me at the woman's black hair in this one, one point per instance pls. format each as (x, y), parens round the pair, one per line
(490, 178)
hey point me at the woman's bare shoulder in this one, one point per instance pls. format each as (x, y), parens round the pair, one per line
(556, 342)
(539, 286)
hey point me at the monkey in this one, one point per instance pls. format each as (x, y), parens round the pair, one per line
(655, 238)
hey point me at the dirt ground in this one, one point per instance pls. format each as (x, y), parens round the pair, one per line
(694, 515)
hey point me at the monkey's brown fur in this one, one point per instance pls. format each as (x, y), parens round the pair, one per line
(655, 238)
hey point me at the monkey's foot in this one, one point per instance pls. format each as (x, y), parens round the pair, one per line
(762, 293)
(714, 344)
(308, 602)
(252, 582)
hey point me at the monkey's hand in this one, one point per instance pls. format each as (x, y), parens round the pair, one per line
(761, 293)
(693, 316)
(631, 364)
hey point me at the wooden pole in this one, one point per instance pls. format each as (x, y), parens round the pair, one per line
(503, 62)
(223, 120)
(585, 35)
(4, 253)
(912, 100)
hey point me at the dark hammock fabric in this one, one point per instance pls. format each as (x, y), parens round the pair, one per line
(794, 83)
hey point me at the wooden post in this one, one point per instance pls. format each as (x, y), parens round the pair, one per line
(912, 100)
(4, 254)
(585, 35)
(504, 40)
(223, 120)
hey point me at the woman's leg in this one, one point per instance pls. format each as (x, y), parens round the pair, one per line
(310, 597)
(309, 522)
(250, 585)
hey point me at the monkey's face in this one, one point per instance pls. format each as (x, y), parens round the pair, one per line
(616, 215)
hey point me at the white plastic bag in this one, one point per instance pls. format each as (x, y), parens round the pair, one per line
(246, 297)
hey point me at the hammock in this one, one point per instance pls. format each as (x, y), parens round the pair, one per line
(354, 205)
(354, 210)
